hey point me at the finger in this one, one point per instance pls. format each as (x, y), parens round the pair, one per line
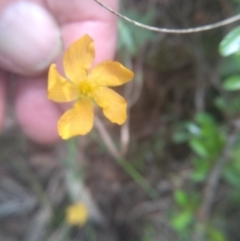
(3, 77)
(101, 27)
(37, 115)
(30, 37)
(81, 17)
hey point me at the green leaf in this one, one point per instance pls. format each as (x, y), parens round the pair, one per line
(216, 235)
(198, 147)
(231, 43)
(232, 178)
(125, 37)
(131, 37)
(194, 129)
(232, 170)
(230, 65)
(205, 119)
(181, 198)
(201, 169)
(182, 220)
(180, 137)
(232, 83)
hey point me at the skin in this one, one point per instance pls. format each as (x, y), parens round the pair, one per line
(36, 114)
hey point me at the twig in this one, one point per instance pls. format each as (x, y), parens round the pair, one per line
(211, 186)
(174, 31)
(125, 137)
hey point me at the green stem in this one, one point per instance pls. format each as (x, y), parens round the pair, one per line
(136, 176)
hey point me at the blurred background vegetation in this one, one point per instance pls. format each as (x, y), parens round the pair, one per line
(172, 172)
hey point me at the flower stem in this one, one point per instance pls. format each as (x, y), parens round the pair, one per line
(137, 177)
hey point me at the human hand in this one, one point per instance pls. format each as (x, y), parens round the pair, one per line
(32, 34)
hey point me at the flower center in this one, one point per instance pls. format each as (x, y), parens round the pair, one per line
(85, 88)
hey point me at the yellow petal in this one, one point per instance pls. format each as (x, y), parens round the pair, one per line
(78, 58)
(77, 214)
(110, 73)
(59, 89)
(78, 120)
(114, 106)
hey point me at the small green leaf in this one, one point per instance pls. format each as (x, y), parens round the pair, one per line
(205, 119)
(232, 178)
(125, 37)
(199, 148)
(232, 83)
(181, 198)
(194, 129)
(182, 220)
(180, 137)
(231, 43)
(199, 175)
(216, 235)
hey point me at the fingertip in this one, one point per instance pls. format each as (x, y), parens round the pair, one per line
(37, 115)
(30, 38)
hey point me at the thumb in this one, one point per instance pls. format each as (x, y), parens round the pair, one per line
(29, 38)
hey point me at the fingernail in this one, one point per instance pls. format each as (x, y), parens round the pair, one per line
(30, 39)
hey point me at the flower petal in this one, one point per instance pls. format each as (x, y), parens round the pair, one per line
(78, 120)
(59, 89)
(78, 58)
(114, 106)
(110, 73)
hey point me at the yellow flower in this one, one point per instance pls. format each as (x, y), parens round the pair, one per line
(77, 214)
(86, 87)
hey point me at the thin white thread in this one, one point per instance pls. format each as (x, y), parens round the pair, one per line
(174, 31)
